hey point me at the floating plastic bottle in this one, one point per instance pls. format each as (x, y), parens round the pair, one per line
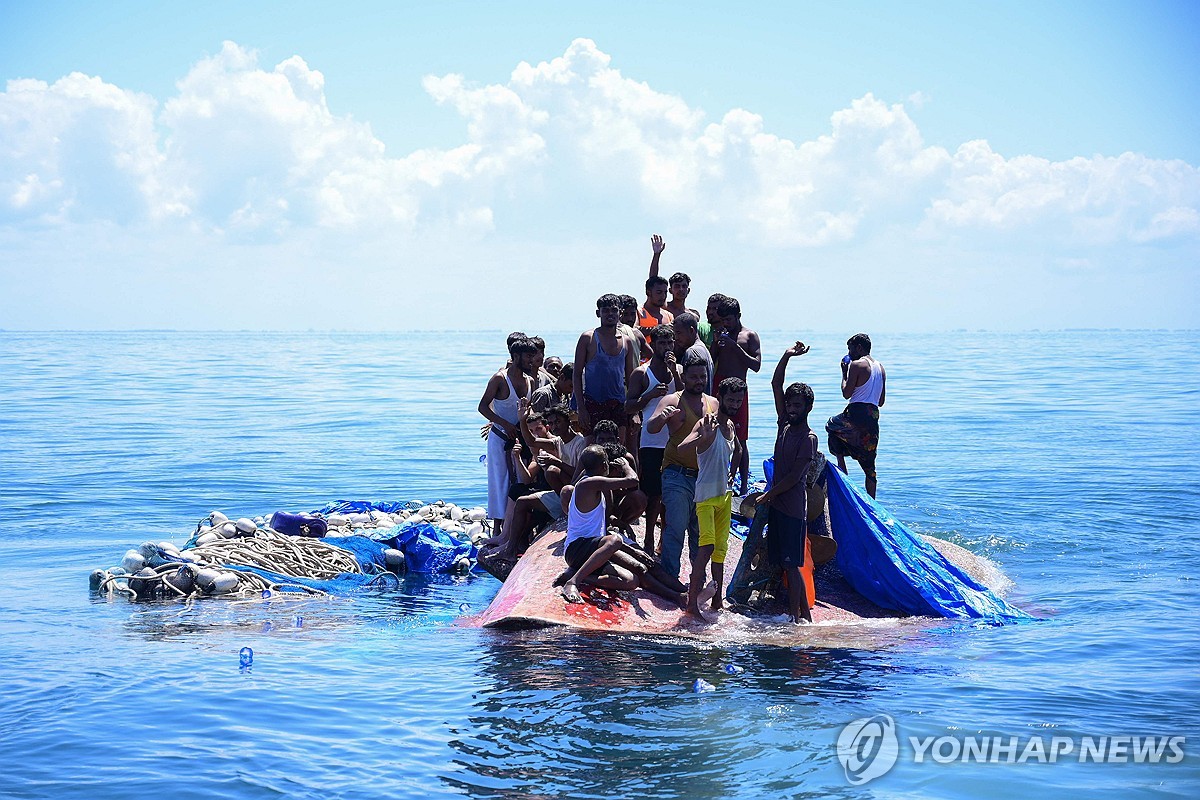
(246, 656)
(266, 594)
(702, 686)
(298, 621)
(464, 608)
(732, 669)
(483, 459)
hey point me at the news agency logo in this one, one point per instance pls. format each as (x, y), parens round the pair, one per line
(868, 748)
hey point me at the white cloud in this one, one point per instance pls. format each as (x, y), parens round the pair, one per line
(252, 153)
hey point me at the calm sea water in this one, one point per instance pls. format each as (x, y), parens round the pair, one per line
(1066, 458)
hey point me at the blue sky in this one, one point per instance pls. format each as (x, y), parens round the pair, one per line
(898, 166)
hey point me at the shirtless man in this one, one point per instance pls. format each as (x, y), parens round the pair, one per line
(648, 385)
(679, 284)
(787, 499)
(499, 405)
(595, 556)
(604, 360)
(737, 350)
(679, 413)
(855, 432)
(712, 319)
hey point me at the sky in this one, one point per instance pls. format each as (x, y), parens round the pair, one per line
(453, 165)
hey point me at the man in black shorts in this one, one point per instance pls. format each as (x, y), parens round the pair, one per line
(795, 449)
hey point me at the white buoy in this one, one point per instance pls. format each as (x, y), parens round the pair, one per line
(393, 558)
(337, 520)
(245, 525)
(228, 530)
(205, 578)
(360, 519)
(133, 561)
(475, 531)
(188, 556)
(217, 518)
(477, 514)
(225, 582)
(456, 513)
(168, 547)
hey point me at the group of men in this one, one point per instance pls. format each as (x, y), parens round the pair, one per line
(651, 418)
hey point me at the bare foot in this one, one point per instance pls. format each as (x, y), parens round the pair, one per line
(570, 593)
(707, 593)
(562, 578)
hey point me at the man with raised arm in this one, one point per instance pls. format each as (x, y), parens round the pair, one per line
(679, 413)
(855, 432)
(654, 311)
(736, 350)
(679, 284)
(648, 385)
(604, 360)
(787, 499)
(595, 556)
(499, 405)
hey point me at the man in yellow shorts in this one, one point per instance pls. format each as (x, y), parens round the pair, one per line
(716, 445)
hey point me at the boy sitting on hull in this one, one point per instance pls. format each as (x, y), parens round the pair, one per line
(594, 556)
(795, 450)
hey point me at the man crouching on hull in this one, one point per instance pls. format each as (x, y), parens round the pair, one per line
(795, 449)
(595, 556)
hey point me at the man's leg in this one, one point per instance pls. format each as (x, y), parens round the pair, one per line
(868, 466)
(609, 544)
(654, 586)
(699, 568)
(678, 493)
(797, 596)
(722, 519)
(744, 469)
(630, 507)
(653, 509)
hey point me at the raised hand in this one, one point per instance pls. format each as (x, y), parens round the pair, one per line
(657, 244)
(798, 349)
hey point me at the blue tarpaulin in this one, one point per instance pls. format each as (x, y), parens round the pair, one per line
(894, 568)
(427, 549)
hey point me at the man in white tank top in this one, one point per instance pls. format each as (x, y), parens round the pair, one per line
(593, 555)
(648, 385)
(855, 432)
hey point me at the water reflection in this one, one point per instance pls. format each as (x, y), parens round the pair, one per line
(569, 713)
